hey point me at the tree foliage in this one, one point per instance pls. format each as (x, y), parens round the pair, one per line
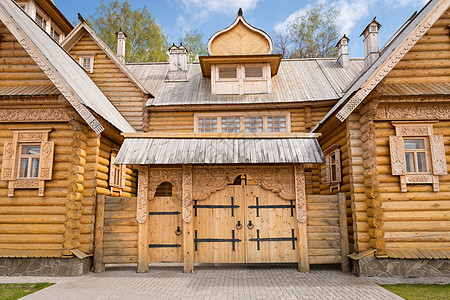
(146, 40)
(193, 41)
(312, 35)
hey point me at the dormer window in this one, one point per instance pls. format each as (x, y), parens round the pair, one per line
(240, 79)
(87, 62)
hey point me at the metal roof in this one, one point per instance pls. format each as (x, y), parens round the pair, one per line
(297, 81)
(143, 151)
(29, 90)
(67, 75)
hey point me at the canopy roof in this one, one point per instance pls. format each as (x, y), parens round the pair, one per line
(172, 151)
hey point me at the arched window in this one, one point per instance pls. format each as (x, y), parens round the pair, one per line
(164, 190)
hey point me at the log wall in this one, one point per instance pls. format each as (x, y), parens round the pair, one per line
(420, 218)
(120, 90)
(17, 68)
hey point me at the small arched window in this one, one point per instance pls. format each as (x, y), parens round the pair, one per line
(164, 190)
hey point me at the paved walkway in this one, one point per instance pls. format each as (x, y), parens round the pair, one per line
(213, 282)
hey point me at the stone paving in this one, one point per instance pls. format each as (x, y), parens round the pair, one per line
(216, 282)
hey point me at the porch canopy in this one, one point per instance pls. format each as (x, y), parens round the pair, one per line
(145, 149)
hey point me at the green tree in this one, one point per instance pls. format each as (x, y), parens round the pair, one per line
(193, 41)
(146, 40)
(314, 34)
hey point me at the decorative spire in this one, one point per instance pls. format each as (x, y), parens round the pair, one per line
(240, 12)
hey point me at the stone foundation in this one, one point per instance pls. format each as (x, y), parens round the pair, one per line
(389, 267)
(52, 266)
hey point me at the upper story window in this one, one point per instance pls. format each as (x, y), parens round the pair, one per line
(40, 20)
(240, 79)
(87, 61)
(243, 122)
(55, 34)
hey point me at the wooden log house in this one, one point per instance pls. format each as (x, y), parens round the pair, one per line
(242, 157)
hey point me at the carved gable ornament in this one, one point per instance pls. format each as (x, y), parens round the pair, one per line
(240, 38)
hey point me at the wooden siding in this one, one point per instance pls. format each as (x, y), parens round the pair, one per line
(120, 231)
(338, 136)
(17, 68)
(429, 60)
(117, 87)
(420, 218)
(302, 119)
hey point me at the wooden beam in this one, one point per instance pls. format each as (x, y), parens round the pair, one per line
(99, 266)
(142, 218)
(221, 135)
(302, 240)
(343, 230)
(188, 224)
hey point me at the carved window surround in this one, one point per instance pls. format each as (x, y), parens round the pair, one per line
(11, 164)
(435, 154)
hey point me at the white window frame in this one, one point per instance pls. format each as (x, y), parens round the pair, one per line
(82, 57)
(242, 115)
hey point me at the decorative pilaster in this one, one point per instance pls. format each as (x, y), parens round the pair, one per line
(142, 218)
(372, 192)
(188, 225)
(300, 204)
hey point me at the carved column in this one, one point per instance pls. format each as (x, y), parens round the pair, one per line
(75, 189)
(300, 204)
(142, 218)
(188, 225)
(372, 192)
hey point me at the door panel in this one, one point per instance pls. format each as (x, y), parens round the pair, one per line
(164, 219)
(273, 236)
(216, 238)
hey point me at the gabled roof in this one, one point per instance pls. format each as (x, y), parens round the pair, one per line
(397, 47)
(298, 80)
(78, 32)
(65, 73)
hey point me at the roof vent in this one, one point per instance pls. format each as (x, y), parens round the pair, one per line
(177, 63)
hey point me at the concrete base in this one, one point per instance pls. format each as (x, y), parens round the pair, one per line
(52, 266)
(389, 267)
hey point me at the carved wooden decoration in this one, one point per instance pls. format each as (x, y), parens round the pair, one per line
(397, 155)
(142, 198)
(300, 193)
(276, 179)
(187, 193)
(160, 175)
(438, 159)
(410, 112)
(391, 62)
(33, 115)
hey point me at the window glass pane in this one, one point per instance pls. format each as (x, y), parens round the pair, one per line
(409, 160)
(31, 149)
(227, 73)
(253, 124)
(333, 173)
(207, 124)
(34, 167)
(87, 63)
(231, 124)
(23, 170)
(414, 144)
(254, 72)
(421, 162)
(276, 124)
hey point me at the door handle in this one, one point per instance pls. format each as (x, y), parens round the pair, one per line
(178, 231)
(250, 225)
(239, 225)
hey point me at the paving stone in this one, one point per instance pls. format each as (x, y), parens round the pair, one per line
(166, 281)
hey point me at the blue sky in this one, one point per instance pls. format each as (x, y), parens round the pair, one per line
(209, 16)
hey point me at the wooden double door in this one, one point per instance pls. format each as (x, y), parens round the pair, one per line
(245, 224)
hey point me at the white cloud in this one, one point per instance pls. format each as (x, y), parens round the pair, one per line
(282, 26)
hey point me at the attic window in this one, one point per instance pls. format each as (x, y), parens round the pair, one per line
(87, 62)
(254, 72)
(40, 20)
(55, 34)
(228, 73)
